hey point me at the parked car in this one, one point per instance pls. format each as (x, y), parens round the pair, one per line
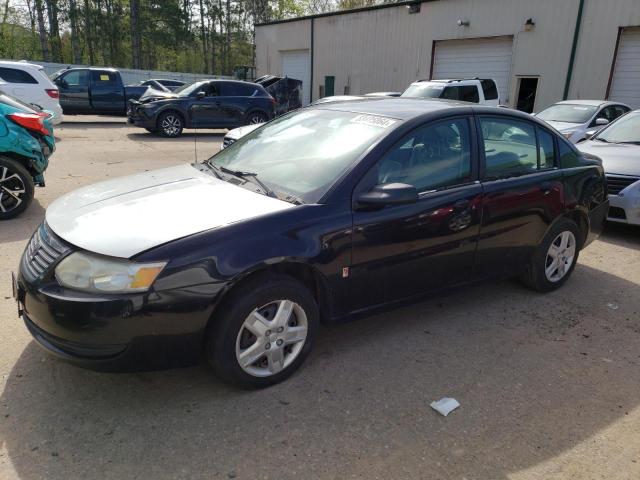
(474, 90)
(618, 145)
(26, 143)
(579, 119)
(29, 83)
(162, 84)
(237, 133)
(286, 91)
(323, 213)
(204, 104)
(94, 91)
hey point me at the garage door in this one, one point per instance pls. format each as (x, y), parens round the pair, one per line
(482, 58)
(625, 84)
(297, 64)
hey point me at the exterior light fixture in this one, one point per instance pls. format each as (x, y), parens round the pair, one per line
(414, 7)
(529, 24)
(463, 23)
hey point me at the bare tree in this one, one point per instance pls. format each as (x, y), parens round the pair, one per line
(136, 37)
(42, 32)
(54, 30)
(75, 36)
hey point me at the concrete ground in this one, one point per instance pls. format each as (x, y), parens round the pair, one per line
(549, 384)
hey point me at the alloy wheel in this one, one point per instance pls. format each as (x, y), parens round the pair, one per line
(12, 190)
(271, 338)
(255, 119)
(560, 256)
(171, 125)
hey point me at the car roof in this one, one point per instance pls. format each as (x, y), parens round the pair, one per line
(593, 103)
(9, 63)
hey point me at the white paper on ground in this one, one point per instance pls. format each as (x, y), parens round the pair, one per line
(445, 405)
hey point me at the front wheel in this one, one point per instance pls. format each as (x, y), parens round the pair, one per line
(555, 258)
(170, 124)
(263, 332)
(16, 188)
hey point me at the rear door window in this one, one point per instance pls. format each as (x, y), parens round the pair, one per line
(510, 147)
(237, 90)
(104, 78)
(14, 75)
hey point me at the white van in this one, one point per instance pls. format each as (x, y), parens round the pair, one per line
(29, 82)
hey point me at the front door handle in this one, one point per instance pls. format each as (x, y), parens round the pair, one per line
(546, 187)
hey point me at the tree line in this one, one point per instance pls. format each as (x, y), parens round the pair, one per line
(199, 36)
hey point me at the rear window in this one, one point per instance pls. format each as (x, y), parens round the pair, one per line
(239, 90)
(13, 75)
(466, 93)
(489, 89)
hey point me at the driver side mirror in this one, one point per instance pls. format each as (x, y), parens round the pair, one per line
(200, 95)
(602, 122)
(388, 194)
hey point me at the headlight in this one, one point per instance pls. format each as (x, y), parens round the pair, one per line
(93, 273)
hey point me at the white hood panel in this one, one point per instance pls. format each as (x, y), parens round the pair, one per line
(126, 216)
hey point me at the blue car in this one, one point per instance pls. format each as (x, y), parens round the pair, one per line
(26, 143)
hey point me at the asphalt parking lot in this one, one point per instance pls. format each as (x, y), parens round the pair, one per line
(549, 385)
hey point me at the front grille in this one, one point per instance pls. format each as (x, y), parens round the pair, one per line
(43, 251)
(617, 183)
(227, 141)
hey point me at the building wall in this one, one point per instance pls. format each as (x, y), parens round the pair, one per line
(272, 39)
(386, 49)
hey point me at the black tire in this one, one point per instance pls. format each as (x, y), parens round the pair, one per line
(536, 276)
(260, 291)
(14, 178)
(152, 130)
(170, 124)
(256, 117)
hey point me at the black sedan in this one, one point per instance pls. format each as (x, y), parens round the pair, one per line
(204, 104)
(330, 211)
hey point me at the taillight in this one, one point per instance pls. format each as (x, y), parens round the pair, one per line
(274, 101)
(53, 92)
(30, 121)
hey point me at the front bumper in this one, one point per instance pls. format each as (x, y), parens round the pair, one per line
(625, 207)
(141, 331)
(139, 117)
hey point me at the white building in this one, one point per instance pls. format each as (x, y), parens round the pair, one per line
(553, 49)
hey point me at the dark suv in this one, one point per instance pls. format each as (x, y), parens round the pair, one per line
(204, 104)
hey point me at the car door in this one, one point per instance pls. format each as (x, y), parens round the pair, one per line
(403, 250)
(206, 111)
(74, 90)
(235, 102)
(107, 91)
(523, 192)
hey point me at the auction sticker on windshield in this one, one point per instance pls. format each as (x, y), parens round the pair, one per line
(374, 121)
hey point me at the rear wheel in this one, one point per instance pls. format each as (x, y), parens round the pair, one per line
(16, 188)
(263, 332)
(555, 258)
(170, 124)
(255, 118)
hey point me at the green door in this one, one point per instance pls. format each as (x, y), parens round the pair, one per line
(329, 86)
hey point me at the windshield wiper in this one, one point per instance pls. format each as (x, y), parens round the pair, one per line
(601, 139)
(214, 169)
(252, 175)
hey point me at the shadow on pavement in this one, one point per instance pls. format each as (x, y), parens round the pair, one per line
(621, 235)
(21, 227)
(536, 375)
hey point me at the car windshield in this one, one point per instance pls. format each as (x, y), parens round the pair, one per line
(568, 113)
(302, 154)
(187, 90)
(625, 130)
(424, 90)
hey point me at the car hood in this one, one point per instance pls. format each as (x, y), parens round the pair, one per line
(239, 132)
(563, 126)
(152, 94)
(126, 216)
(617, 158)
